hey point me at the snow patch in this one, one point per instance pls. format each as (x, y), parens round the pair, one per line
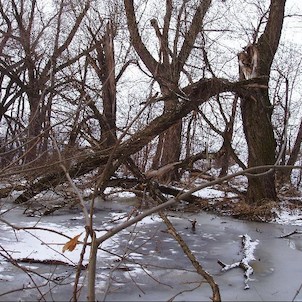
(289, 217)
(213, 193)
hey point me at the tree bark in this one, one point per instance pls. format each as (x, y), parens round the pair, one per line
(257, 111)
(261, 148)
(104, 66)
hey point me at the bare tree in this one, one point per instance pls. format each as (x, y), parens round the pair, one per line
(31, 67)
(257, 108)
(104, 66)
(168, 68)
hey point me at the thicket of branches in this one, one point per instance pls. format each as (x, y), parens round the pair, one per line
(117, 82)
(121, 93)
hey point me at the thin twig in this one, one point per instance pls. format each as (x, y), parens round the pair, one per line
(72, 184)
(290, 234)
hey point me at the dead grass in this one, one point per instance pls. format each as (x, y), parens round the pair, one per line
(264, 211)
(237, 208)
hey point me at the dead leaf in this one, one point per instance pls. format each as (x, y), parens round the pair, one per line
(71, 244)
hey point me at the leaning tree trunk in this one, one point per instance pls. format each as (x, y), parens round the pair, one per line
(198, 93)
(256, 109)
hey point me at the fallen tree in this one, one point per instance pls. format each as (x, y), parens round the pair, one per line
(191, 97)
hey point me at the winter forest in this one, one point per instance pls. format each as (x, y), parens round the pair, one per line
(151, 107)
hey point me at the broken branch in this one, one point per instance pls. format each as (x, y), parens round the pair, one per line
(248, 247)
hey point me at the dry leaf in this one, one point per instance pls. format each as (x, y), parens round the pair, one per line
(71, 244)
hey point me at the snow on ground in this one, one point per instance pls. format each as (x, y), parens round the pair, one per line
(213, 193)
(46, 241)
(44, 244)
(114, 193)
(285, 216)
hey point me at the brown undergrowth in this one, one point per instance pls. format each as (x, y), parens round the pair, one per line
(237, 209)
(265, 211)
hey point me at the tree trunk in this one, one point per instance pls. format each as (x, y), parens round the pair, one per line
(104, 66)
(169, 147)
(257, 109)
(167, 70)
(170, 150)
(261, 148)
(284, 175)
(109, 87)
(34, 127)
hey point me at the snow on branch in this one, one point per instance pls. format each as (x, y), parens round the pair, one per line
(248, 248)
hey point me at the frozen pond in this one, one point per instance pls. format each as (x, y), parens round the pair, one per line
(144, 263)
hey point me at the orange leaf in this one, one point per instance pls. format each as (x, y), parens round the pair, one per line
(71, 244)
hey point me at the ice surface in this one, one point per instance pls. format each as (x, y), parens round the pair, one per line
(144, 263)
